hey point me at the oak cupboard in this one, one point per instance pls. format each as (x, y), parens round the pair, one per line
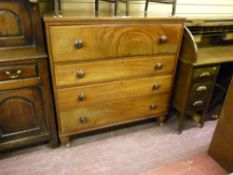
(26, 105)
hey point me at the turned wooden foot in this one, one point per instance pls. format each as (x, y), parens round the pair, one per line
(65, 141)
(161, 120)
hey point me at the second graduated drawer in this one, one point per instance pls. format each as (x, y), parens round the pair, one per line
(90, 95)
(117, 69)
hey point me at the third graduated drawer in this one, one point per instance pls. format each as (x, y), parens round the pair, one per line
(113, 113)
(111, 70)
(76, 97)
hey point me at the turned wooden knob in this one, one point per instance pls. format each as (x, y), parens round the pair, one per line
(153, 107)
(81, 97)
(80, 73)
(158, 66)
(78, 44)
(83, 120)
(163, 39)
(156, 86)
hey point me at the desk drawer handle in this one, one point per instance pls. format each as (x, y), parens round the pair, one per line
(83, 120)
(158, 66)
(153, 107)
(78, 44)
(13, 75)
(82, 97)
(80, 74)
(201, 88)
(198, 103)
(163, 39)
(205, 74)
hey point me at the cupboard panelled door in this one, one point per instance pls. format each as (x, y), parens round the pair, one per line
(24, 107)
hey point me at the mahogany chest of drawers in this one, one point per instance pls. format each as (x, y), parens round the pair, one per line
(109, 71)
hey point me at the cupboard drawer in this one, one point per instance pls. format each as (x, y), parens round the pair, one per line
(90, 42)
(18, 72)
(90, 95)
(112, 113)
(102, 71)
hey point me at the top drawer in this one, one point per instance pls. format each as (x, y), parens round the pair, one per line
(90, 42)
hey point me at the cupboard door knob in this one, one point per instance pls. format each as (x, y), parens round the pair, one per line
(13, 75)
(198, 103)
(80, 73)
(81, 97)
(83, 120)
(153, 107)
(158, 66)
(156, 86)
(78, 43)
(201, 88)
(204, 74)
(163, 39)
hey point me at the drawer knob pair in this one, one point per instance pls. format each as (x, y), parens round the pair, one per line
(158, 66)
(13, 75)
(204, 74)
(82, 97)
(163, 39)
(80, 74)
(156, 86)
(198, 103)
(83, 119)
(78, 43)
(201, 88)
(153, 107)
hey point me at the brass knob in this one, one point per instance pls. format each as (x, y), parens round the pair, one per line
(80, 73)
(201, 88)
(78, 43)
(15, 75)
(198, 103)
(83, 120)
(205, 74)
(156, 86)
(34, 1)
(163, 39)
(81, 97)
(153, 107)
(158, 66)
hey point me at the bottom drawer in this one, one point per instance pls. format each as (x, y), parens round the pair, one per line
(83, 119)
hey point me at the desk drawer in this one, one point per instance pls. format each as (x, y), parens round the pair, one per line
(112, 113)
(90, 95)
(18, 72)
(103, 71)
(205, 73)
(90, 42)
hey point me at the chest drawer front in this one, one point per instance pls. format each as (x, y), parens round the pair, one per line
(205, 73)
(74, 43)
(18, 72)
(99, 115)
(70, 98)
(78, 73)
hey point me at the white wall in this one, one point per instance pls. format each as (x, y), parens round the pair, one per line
(185, 8)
